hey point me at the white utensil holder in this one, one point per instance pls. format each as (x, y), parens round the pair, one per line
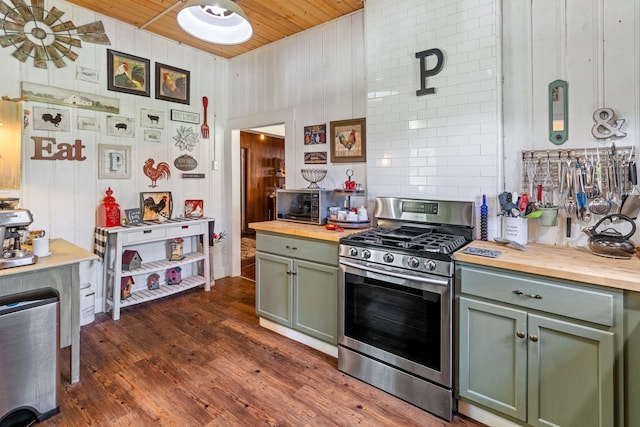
(516, 229)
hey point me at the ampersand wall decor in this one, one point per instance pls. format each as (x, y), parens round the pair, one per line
(41, 35)
(607, 126)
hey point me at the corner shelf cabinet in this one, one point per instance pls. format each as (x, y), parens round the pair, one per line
(151, 241)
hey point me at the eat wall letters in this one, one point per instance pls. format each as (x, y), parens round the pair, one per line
(46, 148)
(428, 72)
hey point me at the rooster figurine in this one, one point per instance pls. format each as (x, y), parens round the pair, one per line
(156, 173)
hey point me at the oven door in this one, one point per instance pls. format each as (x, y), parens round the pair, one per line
(399, 319)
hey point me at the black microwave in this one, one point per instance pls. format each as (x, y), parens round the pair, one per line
(310, 205)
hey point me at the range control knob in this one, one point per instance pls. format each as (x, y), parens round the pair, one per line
(414, 262)
(366, 254)
(430, 265)
(387, 257)
(353, 252)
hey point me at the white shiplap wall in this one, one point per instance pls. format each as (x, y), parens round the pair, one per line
(593, 45)
(444, 145)
(63, 195)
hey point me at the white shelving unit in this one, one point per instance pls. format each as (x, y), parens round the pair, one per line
(151, 241)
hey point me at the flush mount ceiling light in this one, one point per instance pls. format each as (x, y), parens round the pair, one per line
(215, 21)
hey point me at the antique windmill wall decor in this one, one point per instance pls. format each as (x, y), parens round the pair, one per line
(42, 35)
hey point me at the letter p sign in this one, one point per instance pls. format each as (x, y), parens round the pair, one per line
(426, 72)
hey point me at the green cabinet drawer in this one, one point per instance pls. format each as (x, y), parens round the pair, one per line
(310, 250)
(538, 293)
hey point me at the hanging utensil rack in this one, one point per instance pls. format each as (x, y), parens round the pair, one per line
(623, 156)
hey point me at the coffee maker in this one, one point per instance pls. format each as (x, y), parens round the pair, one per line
(12, 222)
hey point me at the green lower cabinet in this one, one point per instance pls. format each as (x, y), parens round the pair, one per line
(274, 296)
(297, 284)
(316, 300)
(571, 374)
(540, 370)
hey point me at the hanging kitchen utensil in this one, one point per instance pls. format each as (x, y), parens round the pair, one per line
(631, 205)
(610, 242)
(204, 129)
(570, 209)
(547, 185)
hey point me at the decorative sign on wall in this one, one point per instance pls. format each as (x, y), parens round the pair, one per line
(153, 119)
(185, 163)
(71, 98)
(161, 171)
(185, 116)
(50, 119)
(428, 72)
(46, 148)
(42, 35)
(607, 126)
(315, 158)
(316, 134)
(187, 138)
(121, 126)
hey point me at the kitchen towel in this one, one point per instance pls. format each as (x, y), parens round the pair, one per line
(100, 237)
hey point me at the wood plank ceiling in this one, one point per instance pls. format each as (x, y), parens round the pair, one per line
(272, 20)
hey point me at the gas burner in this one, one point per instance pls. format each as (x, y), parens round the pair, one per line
(410, 238)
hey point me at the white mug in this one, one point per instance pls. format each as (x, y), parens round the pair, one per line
(41, 246)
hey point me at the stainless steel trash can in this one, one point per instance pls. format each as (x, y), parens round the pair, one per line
(29, 351)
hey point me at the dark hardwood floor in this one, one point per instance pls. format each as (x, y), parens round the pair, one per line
(201, 359)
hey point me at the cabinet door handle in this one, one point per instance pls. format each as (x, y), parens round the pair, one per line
(294, 272)
(292, 248)
(288, 272)
(533, 337)
(520, 334)
(524, 294)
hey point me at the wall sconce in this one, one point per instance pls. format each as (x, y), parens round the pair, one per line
(215, 21)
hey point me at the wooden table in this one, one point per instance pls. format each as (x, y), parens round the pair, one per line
(59, 271)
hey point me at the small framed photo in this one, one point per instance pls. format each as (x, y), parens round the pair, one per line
(88, 123)
(316, 134)
(114, 161)
(172, 84)
(51, 119)
(348, 141)
(193, 209)
(128, 73)
(156, 205)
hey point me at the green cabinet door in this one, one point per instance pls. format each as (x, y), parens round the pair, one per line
(571, 374)
(274, 296)
(316, 300)
(493, 356)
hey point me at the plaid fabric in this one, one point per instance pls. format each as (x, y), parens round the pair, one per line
(100, 237)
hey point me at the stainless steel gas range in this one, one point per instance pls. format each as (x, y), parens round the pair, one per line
(396, 299)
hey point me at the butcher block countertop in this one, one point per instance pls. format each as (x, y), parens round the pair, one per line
(62, 253)
(303, 230)
(576, 264)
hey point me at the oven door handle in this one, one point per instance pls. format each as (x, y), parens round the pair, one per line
(374, 272)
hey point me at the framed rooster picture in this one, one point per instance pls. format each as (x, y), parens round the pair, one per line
(128, 73)
(156, 205)
(348, 141)
(172, 84)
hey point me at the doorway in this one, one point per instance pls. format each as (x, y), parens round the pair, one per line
(262, 161)
(283, 119)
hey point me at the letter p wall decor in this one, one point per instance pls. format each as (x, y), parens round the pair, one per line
(428, 72)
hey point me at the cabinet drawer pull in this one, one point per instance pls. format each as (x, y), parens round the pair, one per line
(292, 248)
(520, 334)
(147, 231)
(533, 337)
(524, 294)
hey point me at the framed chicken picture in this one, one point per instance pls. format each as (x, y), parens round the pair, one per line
(172, 84)
(128, 73)
(156, 205)
(348, 141)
